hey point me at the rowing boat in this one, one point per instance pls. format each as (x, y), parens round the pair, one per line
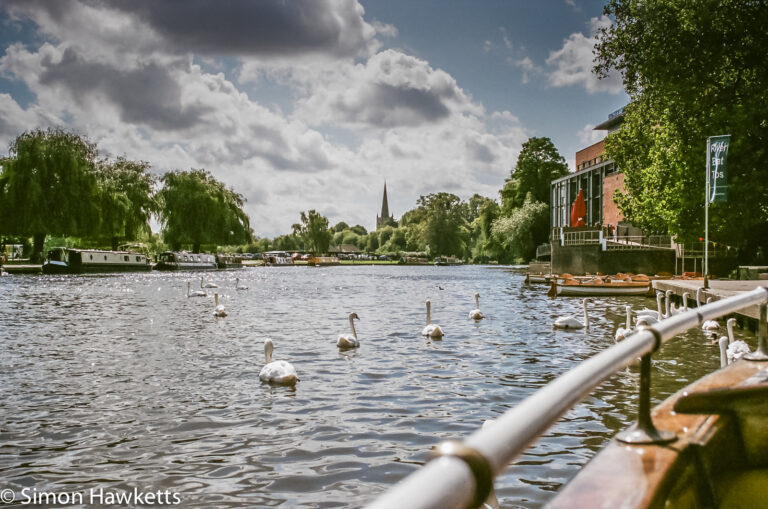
(718, 459)
(601, 286)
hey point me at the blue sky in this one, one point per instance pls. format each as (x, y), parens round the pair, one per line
(310, 104)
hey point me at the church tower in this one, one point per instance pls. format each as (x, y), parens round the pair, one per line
(384, 218)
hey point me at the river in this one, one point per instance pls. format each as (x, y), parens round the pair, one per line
(121, 382)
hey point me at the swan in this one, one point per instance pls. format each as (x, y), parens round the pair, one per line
(623, 332)
(677, 311)
(277, 372)
(219, 310)
(196, 293)
(476, 314)
(710, 326)
(207, 285)
(658, 314)
(238, 286)
(349, 340)
(699, 291)
(431, 330)
(570, 322)
(736, 349)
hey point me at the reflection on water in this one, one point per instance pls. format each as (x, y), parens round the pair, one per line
(121, 381)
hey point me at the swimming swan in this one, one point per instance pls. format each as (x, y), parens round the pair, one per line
(476, 314)
(658, 314)
(731, 349)
(196, 293)
(219, 310)
(276, 372)
(207, 285)
(431, 330)
(349, 340)
(570, 322)
(238, 286)
(623, 332)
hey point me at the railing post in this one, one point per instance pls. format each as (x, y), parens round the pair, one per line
(643, 431)
(761, 354)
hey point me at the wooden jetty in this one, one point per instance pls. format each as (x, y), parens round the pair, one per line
(718, 289)
(18, 268)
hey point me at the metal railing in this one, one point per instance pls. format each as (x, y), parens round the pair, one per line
(581, 238)
(632, 242)
(543, 250)
(461, 475)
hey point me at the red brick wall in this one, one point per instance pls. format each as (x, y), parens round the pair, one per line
(611, 213)
(586, 155)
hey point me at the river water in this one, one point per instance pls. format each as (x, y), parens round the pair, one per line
(120, 382)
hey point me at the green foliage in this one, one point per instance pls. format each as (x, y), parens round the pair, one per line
(198, 209)
(692, 70)
(314, 232)
(372, 243)
(359, 229)
(538, 164)
(518, 231)
(48, 186)
(446, 230)
(127, 198)
(340, 227)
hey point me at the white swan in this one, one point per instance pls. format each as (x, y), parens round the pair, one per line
(710, 326)
(431, 330)
(349, 340)
(207, 285)
(219, 310)
(623, 332)
(276, 372)
(238, 286)
(570, 322)
(735, 349)
(196, 293)
(476, 314)
(658, 314)
(675, 310)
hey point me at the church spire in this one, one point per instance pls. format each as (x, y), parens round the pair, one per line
(384, 218)
(385, 203)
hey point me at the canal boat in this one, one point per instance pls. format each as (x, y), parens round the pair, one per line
(183, 260)
(228, 261)
(277, 258)
(444, 261)
(63, 260)
(719, 457)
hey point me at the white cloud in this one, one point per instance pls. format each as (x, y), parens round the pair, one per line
(574, 61)
(588, 136)
(111, 70)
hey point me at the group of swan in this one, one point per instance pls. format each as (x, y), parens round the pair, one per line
(283, 373)
(218, 311)
(731, 350)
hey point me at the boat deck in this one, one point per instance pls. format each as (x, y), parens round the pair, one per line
(15, 268)
(718, 289)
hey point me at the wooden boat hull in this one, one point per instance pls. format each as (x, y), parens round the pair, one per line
(719, 459)
(604, 290)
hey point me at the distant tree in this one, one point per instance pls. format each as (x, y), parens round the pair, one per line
(340, 227)
(48, 186)
(538, 164)
(372, 242)
(127, 199)
(518, 231)
(359, 229)
(446, 230)
(385, 233)
(313, 231)
(196, 209)
(692, 70)
(286, 243)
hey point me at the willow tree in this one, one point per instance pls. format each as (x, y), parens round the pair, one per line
(127, 199)
(196, 209)
(48, 186)
(313, 230)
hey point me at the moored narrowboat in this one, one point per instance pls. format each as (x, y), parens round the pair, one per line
(183, 260)
(228, 261)
(62, 260)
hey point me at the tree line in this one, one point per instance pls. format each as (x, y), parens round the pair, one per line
(54, 182)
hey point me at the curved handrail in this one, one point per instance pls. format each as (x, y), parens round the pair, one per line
(450, 480)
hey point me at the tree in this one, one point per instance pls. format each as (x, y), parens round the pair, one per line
(445, 230)
(48, 186)
(692, 70)
(128, 200)
(314, 231)
(340, 227)
(196, 209)
(538, 164)
(518, 231)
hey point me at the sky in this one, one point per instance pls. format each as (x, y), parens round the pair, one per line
(311, 104)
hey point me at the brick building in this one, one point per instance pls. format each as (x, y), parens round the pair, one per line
(597, 176)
